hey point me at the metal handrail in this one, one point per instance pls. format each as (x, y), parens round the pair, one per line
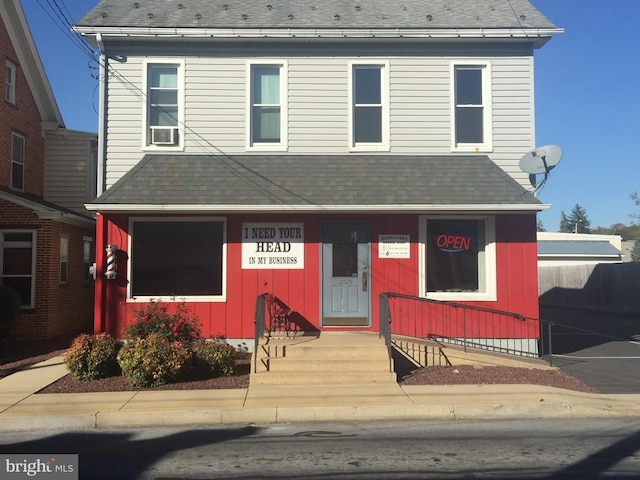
(449, 322)
(259, 327)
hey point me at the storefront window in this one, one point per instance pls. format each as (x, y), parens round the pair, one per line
(177, 258)
(458, 257)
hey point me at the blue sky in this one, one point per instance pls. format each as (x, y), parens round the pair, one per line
(587, 98)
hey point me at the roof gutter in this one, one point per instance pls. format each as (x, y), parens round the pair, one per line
(480, 208)
(349, 33)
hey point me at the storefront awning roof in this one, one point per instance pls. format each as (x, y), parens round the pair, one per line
(339, 183)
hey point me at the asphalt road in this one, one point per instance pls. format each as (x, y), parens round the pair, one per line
(600, 349)
(528, 449)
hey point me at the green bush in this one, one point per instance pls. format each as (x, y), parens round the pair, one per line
(10, 307)
(214, 357)
(155, 318)
(152, 360)
(92, 356)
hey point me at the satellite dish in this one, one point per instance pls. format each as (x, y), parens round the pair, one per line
(540, 160)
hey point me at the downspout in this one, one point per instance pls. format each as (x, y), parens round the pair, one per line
(102, 137)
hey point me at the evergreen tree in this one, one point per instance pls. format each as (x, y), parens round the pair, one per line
(635, 251)
(540, 226)
(576, 222)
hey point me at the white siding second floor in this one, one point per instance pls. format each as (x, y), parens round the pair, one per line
(415, 103)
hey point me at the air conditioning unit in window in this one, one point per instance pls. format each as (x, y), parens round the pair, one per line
(164, 135)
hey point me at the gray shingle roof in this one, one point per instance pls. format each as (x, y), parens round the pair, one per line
(292, 181)
(598, 248)
(472, 14)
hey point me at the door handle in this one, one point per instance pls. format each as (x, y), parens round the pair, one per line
(365, 281)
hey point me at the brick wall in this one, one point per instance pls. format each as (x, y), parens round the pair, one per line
(22, 118)
(59, 309)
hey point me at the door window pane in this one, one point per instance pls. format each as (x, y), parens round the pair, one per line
(345, 253)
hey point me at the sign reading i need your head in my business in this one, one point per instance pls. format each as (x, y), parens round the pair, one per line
(272, 245)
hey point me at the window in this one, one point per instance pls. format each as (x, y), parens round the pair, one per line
(368, 113)
(178, 258)
(472, 107)
(458, 258)
(267, 108)
(10, 83)
(164, 106)
(86, 258)
(17, 263)
(17, 162)
(64, 260)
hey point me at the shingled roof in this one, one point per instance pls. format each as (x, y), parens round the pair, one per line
(518, 15)
(316, 183)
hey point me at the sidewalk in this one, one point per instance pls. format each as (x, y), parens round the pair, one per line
(21, 409)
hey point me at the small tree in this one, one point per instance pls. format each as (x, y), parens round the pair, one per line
(576, 222)
(635, 251)
(540, 226)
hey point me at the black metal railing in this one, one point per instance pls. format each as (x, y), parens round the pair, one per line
(459, 324)
(259, 327)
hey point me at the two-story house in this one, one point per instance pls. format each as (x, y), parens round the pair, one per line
(47, 173)
(324, 152)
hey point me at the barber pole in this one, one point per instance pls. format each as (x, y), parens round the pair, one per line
(111, 262)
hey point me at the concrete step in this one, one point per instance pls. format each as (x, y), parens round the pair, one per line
(331, 358)
(338, 378)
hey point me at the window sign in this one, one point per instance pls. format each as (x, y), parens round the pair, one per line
(272, 245)
(393, 246)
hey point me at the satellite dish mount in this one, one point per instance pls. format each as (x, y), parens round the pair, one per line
(540, 160)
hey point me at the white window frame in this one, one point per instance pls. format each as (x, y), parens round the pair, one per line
(10, 82)
(384, 145)
(87, 243)
(487, 118)
(490, 293)
(34, 243)
(284, 82)
(64, 259)
(147, 145)
(187, 298)
(15, 135)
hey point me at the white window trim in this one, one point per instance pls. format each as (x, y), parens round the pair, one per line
(282, 146)
(186, 298)
(487, 88)
(384, 145)
(490, 258)
(146, 144)
(10, 84)
(24, 167)
(64, 239)
(34, 246)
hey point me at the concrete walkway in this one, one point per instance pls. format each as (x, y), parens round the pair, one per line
(22, 409)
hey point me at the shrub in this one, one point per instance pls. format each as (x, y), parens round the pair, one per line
(10, 306)
(214, 357)
(155, 318)
(152, 360)
(92, 356)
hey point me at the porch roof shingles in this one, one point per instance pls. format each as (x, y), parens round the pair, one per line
(315, 181)
(324, 14)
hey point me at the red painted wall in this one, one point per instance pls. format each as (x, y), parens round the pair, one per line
(516, 252)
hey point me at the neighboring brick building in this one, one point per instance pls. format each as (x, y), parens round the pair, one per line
(46, 235)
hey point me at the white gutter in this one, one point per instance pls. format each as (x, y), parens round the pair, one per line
(115, 207)
(230, 32)
(102, 137)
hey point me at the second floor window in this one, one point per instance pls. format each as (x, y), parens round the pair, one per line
(17, 162)
(163, 104)
(369, 104)
(472, 109)
(10, 83)
(266, 105)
